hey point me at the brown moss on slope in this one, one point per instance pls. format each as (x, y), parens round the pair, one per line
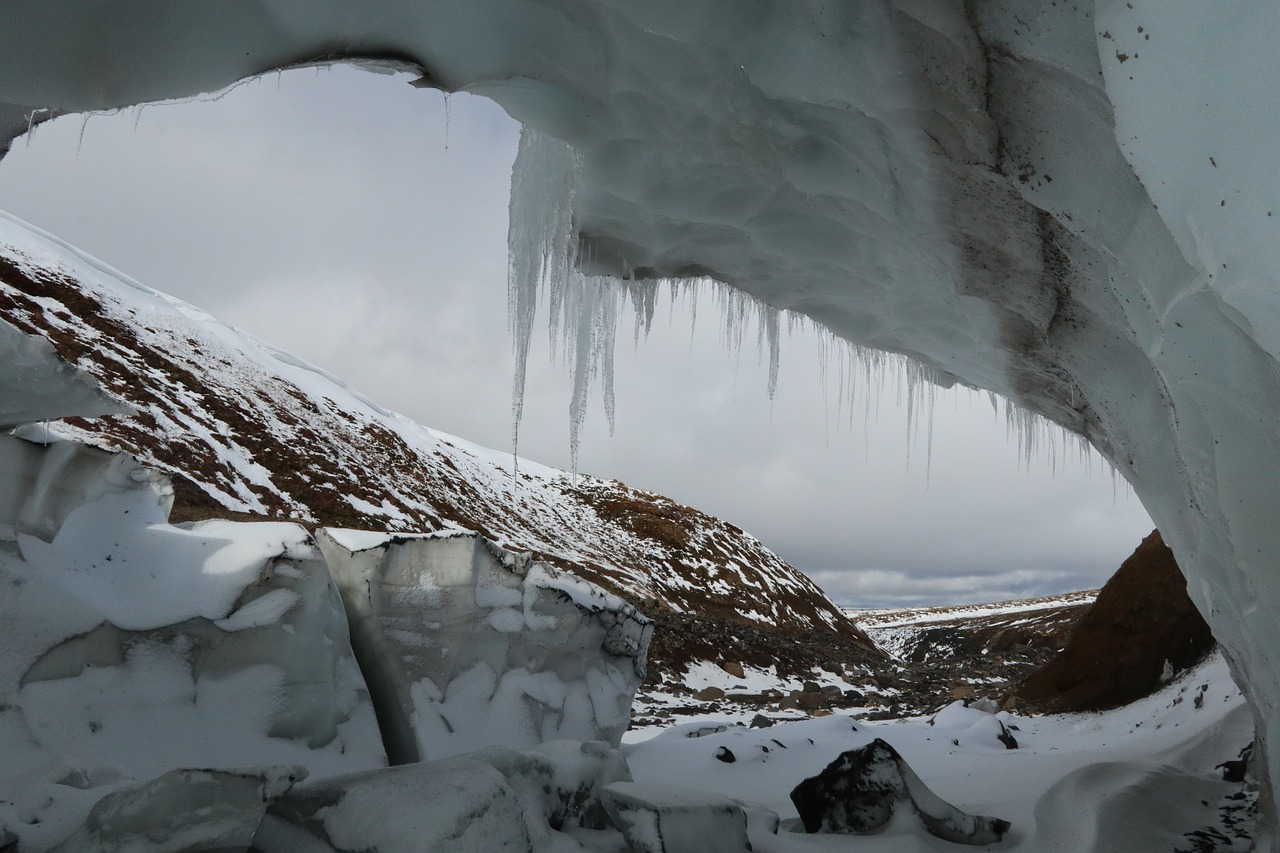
(1118, 651)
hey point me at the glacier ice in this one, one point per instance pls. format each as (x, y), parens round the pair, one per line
(659, 818)
(492, 799)
(468, 645)
(134, 648)
(451, 805)
(39, 385)
(183, 810)
(136, 651)
(1071, 205)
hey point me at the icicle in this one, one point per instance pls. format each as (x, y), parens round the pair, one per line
(446, 121)
(538, 252)
(546, 255)
(83, 125)
(31, 125)
(773, 337)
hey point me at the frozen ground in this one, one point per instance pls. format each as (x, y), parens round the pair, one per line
(1140, 778)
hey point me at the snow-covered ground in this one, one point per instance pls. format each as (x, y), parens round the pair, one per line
(1135, 779)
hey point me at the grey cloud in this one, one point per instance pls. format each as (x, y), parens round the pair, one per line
(329, 219)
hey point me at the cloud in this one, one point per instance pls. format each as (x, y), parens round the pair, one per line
(327, 217)
(880, 588)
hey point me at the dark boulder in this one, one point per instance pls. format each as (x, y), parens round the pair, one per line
(861, 791)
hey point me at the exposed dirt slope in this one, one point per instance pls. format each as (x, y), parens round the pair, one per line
(1142, 627)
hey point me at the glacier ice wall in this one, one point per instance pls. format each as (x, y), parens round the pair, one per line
(468, 645)
(1068, 204)
(133, 648)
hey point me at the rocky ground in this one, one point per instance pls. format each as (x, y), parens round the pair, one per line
(1083, 651)
(923, 660)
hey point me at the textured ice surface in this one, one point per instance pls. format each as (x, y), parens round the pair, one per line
(864, 789)
(495, 799)
(133, 648)
(663, 818)
(37, 384)
(456, 805)
(466, 645)
(212, 810)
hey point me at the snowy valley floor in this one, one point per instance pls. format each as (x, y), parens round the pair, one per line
(1136, 779)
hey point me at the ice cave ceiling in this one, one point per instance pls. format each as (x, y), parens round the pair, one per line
(1067, 203)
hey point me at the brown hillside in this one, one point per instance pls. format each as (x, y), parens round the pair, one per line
(1117, 653)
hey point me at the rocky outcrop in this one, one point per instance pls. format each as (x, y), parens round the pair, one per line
(864, 789)
(467, 645)
(1142, 629)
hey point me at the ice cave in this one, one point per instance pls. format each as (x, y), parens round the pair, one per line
(1067, 203)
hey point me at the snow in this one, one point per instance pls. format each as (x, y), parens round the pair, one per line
(897, 631)
(894, 618)
(261, 432)
(1132, 779)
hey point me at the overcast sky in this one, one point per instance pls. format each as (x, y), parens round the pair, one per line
(337, 215)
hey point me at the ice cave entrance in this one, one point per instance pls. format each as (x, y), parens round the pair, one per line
(360, 223)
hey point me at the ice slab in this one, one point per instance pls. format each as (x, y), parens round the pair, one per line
(663, 818)
(466, 645)
(133, 648)
(496, 799)
(183, 810)
(36, 384)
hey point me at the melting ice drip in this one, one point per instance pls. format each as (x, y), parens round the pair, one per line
(544, 254)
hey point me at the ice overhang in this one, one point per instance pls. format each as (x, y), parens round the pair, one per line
(1067, 204)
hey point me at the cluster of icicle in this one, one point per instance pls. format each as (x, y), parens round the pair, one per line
(543, 261)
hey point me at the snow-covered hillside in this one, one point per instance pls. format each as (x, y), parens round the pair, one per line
(250, 430)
